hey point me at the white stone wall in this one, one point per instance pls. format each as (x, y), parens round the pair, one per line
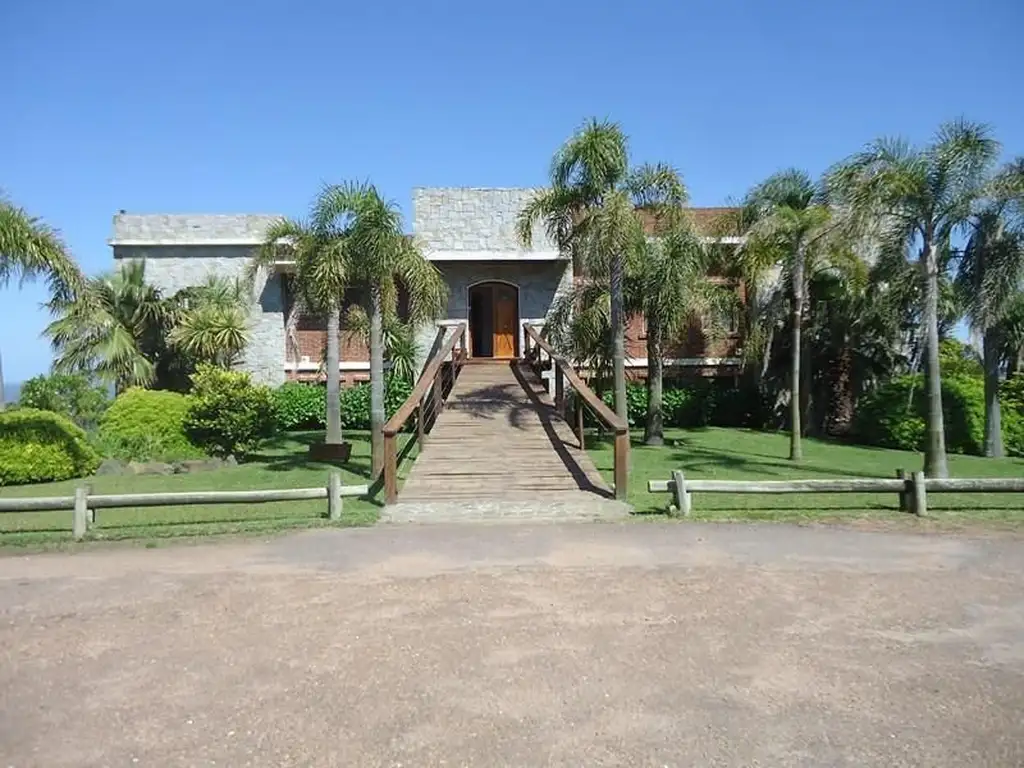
(171, 268)
(471, 219)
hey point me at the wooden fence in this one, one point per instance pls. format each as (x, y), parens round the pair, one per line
(85, 503)
(912, 488)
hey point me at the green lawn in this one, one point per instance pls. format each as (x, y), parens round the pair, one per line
(737, 454)
(282, 463)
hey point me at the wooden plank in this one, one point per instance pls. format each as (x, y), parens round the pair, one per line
(858, 485)
(217, 497)
(37, 504)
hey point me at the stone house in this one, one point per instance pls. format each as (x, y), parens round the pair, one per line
(469, 233)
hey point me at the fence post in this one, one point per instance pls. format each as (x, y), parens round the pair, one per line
(334, 500)
(579, 420)
(390, 469)
(621, 465)
(683, 501)
(920, 496)
(559, 390)
(80, 519)
(901, 474)
(421, 426)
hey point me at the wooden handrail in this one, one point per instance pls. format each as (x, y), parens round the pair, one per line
(429, 379)
(564, 371)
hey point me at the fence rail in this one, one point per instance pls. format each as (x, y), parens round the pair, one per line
(913, 488)
(84, 503)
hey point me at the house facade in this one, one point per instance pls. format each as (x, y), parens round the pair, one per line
(494, 284)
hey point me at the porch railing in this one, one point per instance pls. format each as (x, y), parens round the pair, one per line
(426, 400)
(564, 372)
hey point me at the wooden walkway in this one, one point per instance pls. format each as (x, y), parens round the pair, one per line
(500, 438)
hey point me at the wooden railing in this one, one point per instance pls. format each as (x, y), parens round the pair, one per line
(913, 488)
(426, 400)
(85, 503)
(564, 372)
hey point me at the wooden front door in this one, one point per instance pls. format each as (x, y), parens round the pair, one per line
(506, 315)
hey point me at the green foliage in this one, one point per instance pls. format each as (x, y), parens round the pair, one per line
(144, 425)
(300, 406)
(894, 415)
(39, 446)
(1011, 411)
(702, 403)
(228, 415)
(303, 406)
(71, 395)
(958, 359)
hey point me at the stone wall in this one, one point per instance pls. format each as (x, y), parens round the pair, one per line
(171, 268)
(471, 219)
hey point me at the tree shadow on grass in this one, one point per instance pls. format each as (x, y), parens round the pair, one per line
(288, 452)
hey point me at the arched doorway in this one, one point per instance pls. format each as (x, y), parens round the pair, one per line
(494, 319)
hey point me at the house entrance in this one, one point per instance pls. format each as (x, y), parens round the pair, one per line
(494, 320)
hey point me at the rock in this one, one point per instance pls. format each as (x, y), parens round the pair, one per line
(112, 467)
(230, 461)
(150, 468)
(197, 465)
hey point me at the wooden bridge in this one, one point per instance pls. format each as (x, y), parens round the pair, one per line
(489, 430)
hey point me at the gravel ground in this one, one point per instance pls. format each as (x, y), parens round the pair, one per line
(534, 645)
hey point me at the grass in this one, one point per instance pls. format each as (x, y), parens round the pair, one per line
(737, 454)
(281, 463)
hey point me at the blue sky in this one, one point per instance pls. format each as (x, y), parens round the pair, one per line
(248, 107)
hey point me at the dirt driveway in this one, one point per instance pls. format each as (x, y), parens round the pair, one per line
(587, 645)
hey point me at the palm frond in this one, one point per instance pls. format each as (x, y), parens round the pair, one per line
(594, 160)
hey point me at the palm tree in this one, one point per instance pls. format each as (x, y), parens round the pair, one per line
(673, 290)
(28, 248)
(990, 280)
(918, 199)
(114, 327)
(383, 259)
(788, 221)
(210, 321)
(320, 252)
(589, 211)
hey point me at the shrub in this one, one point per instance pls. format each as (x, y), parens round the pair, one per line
(894, 415)
(41, 446)
(300, 406)
(144, 425)
(74, 396)
(228, 415)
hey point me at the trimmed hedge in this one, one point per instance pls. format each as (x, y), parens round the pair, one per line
(147, 425)
(304, 406)
(228, 414)
(41, 446)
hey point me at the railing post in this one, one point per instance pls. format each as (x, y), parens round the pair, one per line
(334, 500)
(920, 497)
(621, 464)
(579, 420)
(901, 474)
(390, 469)
(80, 518)
(421, 424)
(438, 393)
(462, 345)
(683, 501)
(559, 390)
(526, 343)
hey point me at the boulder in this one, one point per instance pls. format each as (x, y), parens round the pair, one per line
(112, 467)
(150, 468)
(189, 466)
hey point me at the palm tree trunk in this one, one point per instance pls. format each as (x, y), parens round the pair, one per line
(993, 420)
(376, 380)
(654, 427)
(333, 377)
(618, 338)
(841, 407)
(935, 439)
(795, 446)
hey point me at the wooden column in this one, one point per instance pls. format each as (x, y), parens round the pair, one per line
(682, 496)
(421, 424)
(80, 519)
(438, 394)
(901, 474)
(559, 390)
(579, 421)
(334, 500)
(920, 497)
(621, 464)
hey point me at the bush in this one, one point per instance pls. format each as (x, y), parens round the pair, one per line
(304, 406)
(41, 446)
(300, 406)
(229, 415)
(74, 396)
(883, 418)
(145, 425)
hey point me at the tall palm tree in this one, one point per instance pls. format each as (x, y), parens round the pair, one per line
(589, 211)
(323, 270)
(788, 227)
(990, 281)
(917, 199)
(29, 248)
(383, 259)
